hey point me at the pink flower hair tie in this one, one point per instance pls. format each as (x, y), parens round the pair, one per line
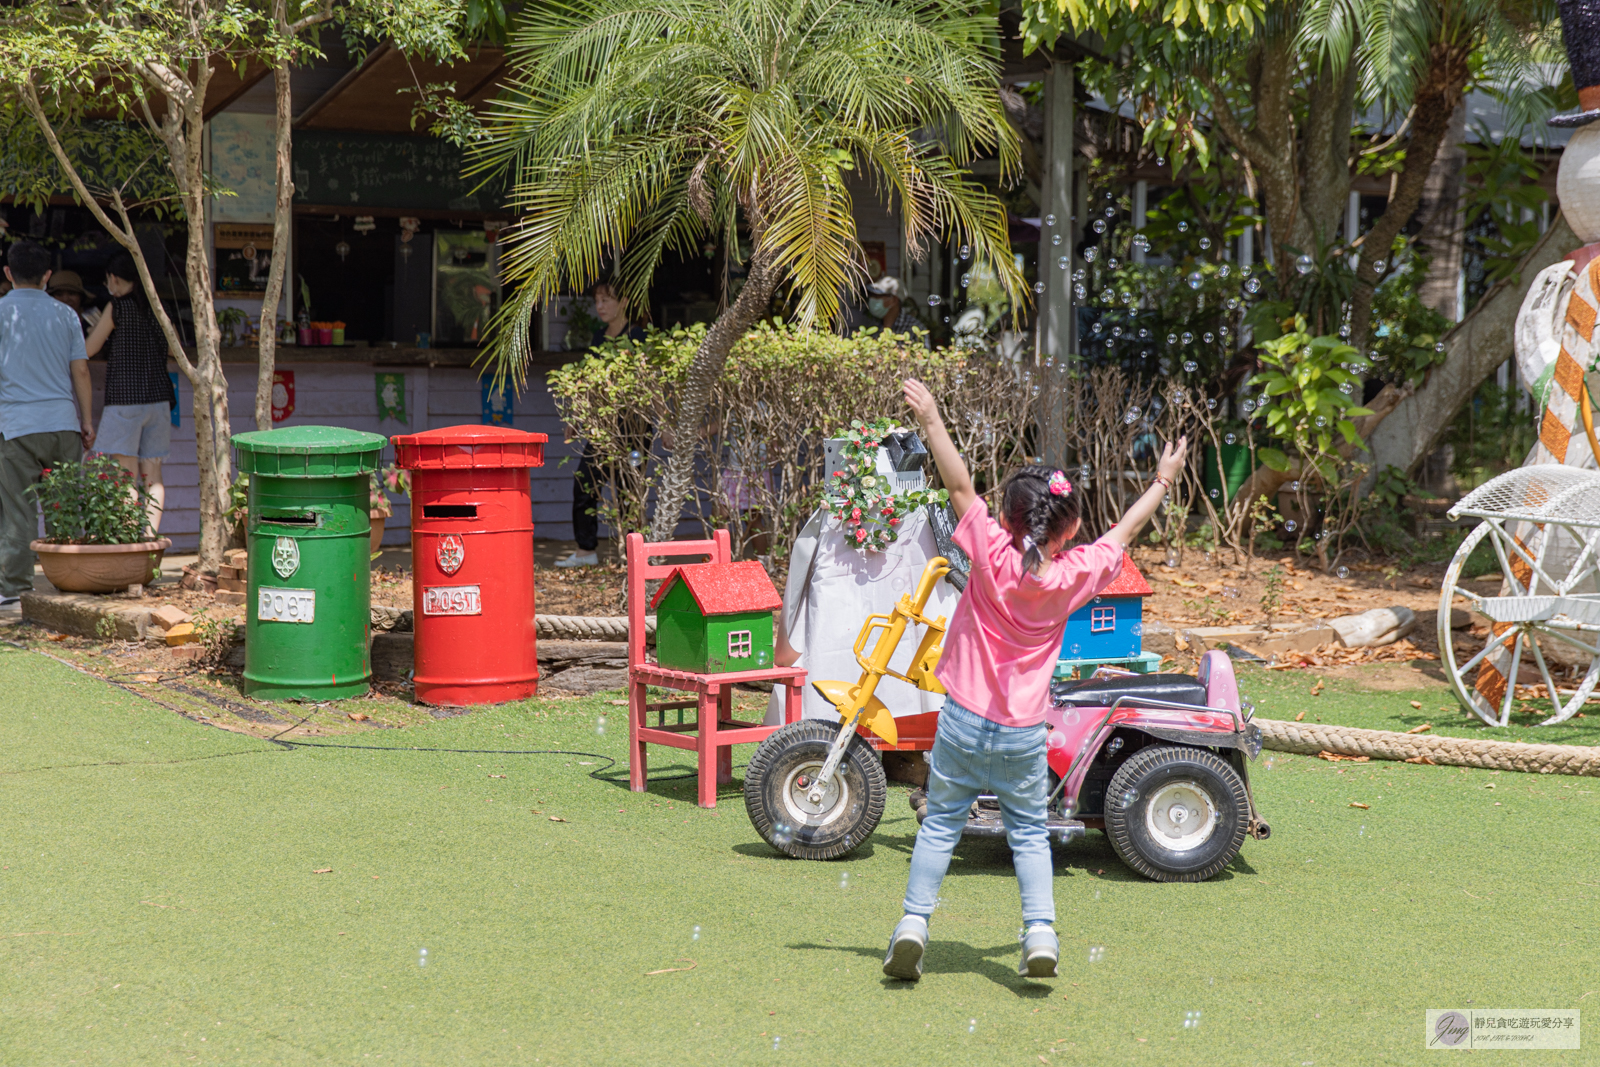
(1059, 486)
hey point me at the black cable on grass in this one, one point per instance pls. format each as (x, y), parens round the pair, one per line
(276, 739)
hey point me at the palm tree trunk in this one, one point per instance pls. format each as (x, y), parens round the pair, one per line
(709, 360)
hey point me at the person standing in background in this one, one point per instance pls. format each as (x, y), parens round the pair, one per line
(136, 425)
(612, 309)
(67, 287)
(46, 415)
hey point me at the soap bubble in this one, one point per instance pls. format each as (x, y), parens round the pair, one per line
(1099, 226)
(1183, 227)
(1233, 303)
(1097, 327)
(1107, 296)
(1304, 263)
(1141, 242)
(1131, 417)
(844, 880)
(1252, 286)
(1111, 264)
(965, 252)
(696, 935)
(1138, 629)
(1126, 296)
(635, 458)
(775, 1043)
(1187, 338)
(1438, 346)
(1378, 266)
(1056, 239)
(1211, 403)
(1064, 262)
(935, 300)
(1322, 422)
(1222, 331)
(1191, 1020)
(1230, 592)
(1290, 525)
(1214, 494)
(1224, 270)
(1089, 254)
(1208, 337)
(1172, 338)
(1038, 287)
(1096, 954)
(1079, 292)
(1196, 279)
(972, 1026)
(1111, 212)
(1230, 439)
(1190, 365)
(1161, 161)
(1075, 649)
(600, 726)
(965, 279)
(1343, 572)
(1344, 331)
(1294, 487)
(1248, 406)
(1079, 275)
(1049, 220)
(1205, 243)
(1144, 333)
(422, 958)
(1116, 331)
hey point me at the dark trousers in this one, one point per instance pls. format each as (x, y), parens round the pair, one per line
(585, 501)
(22, 462)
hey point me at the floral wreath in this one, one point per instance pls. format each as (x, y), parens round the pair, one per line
(863, 500)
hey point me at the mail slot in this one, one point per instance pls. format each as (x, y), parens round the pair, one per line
(472, 562)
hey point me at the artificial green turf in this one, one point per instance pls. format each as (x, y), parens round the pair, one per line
(160, 874)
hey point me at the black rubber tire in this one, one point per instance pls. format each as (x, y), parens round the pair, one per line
(1140, 778)
(863, 789)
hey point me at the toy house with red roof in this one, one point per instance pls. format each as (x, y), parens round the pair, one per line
(715, 618)
(1111, 626)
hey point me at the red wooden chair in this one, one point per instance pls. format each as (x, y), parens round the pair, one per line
(715, 729)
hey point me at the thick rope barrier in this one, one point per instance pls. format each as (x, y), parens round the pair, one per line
(1309, 739)
(589, 627)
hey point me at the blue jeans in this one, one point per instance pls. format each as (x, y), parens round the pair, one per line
(972, 755)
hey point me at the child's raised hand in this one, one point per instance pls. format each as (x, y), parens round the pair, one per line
(921, 402)
(1172, 457)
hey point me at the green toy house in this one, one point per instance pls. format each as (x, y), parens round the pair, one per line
(715, 618)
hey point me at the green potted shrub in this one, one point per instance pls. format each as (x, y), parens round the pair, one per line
(97, 534)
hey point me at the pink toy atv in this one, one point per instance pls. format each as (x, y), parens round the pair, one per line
(1156, 761)
(1159, 762)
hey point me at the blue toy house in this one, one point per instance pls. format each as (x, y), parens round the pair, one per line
(1109, 627)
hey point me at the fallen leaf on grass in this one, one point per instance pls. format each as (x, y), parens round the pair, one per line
(1416, 704)
(1422, 759)
(557, 818)
(55, 637)
(323, 870)
(1300, 717)
(1335, 757)
(1358, 804)
(147, 678)
(497, 776)
(618, 703)
(668, 970)
(1424, 728)
(1316, 690)
(1043, 1060)
(356, 716)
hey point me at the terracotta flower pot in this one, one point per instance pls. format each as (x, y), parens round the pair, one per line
(377, 518)
(100, 568)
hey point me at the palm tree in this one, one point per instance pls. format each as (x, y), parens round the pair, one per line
(630, 130)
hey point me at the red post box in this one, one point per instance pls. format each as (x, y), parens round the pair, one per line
(472, 562)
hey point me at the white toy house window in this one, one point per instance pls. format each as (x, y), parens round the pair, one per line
(739, 644)
(1102, 620)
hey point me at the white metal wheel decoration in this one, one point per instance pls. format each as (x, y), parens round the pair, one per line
(1543, 522)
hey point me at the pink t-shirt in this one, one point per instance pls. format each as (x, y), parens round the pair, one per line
(1005, 637)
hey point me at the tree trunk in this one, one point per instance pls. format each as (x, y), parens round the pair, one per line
(1442, 239)
(1475, 348)
(267, 338)
(1434, 105)
(709, 360)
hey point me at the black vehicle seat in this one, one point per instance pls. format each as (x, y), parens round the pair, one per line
(1103, 692)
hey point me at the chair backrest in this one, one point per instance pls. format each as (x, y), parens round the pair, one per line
(718, 549)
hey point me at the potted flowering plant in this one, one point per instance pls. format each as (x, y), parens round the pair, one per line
(97, 531)
(395, 480)
(865, 501)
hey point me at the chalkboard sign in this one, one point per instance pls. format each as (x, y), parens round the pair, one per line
(358, 170)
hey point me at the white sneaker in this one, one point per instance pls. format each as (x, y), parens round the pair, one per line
(906, 945)
(580, 559)
(1040, 951)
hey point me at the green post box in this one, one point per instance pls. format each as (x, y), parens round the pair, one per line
(308, 608)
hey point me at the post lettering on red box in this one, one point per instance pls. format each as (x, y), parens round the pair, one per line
(451, 600)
